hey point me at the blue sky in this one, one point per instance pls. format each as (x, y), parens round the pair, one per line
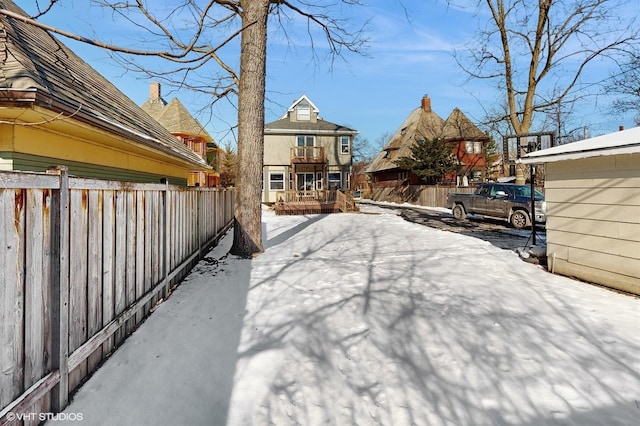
(409, 55)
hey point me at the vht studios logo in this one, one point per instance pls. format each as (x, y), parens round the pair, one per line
(42, 417)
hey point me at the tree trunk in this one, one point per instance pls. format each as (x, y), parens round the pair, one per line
(247, 238)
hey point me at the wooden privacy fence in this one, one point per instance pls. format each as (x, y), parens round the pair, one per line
(83, 262)
(421, 195)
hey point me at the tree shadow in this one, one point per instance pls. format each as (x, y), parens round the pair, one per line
(178, 367)
(335, 324)
(368, 337)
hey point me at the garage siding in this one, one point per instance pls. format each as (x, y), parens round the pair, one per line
(593, 219)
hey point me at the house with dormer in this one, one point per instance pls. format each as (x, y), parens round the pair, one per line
(305, 156)
(467, 144)
(55, 109)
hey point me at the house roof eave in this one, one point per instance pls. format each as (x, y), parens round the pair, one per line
(24, 98)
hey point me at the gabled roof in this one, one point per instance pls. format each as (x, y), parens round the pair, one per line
(38, 68)
(175, 118)
(305, 99)
(285, 125)
(424, 124)
(621, 142)
(320, 126)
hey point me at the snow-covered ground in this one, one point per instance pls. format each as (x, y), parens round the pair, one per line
(366, 319)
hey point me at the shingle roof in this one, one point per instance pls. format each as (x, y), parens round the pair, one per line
(175, 118)
(37, 67)
(458, 127)
(286, 125)
(424, 124)
(420, 124)
(320, 125)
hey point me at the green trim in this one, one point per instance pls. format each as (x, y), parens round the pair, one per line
(34, 163)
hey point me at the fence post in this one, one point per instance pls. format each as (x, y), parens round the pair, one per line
(60, 288)
(166, 245)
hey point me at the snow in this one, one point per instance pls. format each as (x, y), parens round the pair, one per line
(366, 319)
(622, 142)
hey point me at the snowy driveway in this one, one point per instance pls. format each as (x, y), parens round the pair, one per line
(355, 319)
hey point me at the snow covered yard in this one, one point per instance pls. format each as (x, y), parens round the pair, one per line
(368, 319)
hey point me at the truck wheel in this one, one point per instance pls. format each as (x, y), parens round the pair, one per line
(458, 212)
(519, 219)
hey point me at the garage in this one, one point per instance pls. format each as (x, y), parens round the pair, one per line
(592, 190)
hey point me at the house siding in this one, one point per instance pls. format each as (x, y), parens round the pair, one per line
(270, 196)
(281, 137)
(87, 153)
(17, 161)
(593, 220)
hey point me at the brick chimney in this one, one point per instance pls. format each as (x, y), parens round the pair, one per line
(426, 103)
(620, 128)
(154, 93)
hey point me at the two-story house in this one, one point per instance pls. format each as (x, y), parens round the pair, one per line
(305, 155)
(174, 117)
(466, 141)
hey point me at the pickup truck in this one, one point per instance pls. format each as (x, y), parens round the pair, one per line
(502, 200)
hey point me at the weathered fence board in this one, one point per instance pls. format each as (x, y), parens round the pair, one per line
(84, 261)
(37, 287)
(135, 250)
(94, 272)
(120, 282)
(11, 296)
(108, 262)
(78, 248)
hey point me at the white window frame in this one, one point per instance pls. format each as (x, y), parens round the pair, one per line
(302, 181)
(477, 148)
(468, 147)
(473, 147)
(276, 181)
(345, 144)
(305, 139)
(329, 180)
(303, 113)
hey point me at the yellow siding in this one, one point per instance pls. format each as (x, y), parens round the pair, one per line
(73, 142)
(593, 219)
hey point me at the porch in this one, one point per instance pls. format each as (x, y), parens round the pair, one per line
(314, 202)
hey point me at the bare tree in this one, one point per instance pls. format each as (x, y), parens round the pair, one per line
(193, 35)
(626, 84)
(539, 53)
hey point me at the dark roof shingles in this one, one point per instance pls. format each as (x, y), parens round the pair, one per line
(34, 59)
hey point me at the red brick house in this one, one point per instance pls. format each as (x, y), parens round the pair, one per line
(466, 140)
(174, 117)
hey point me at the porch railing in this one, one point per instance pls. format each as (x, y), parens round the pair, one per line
(313, 196)
(307, 154)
